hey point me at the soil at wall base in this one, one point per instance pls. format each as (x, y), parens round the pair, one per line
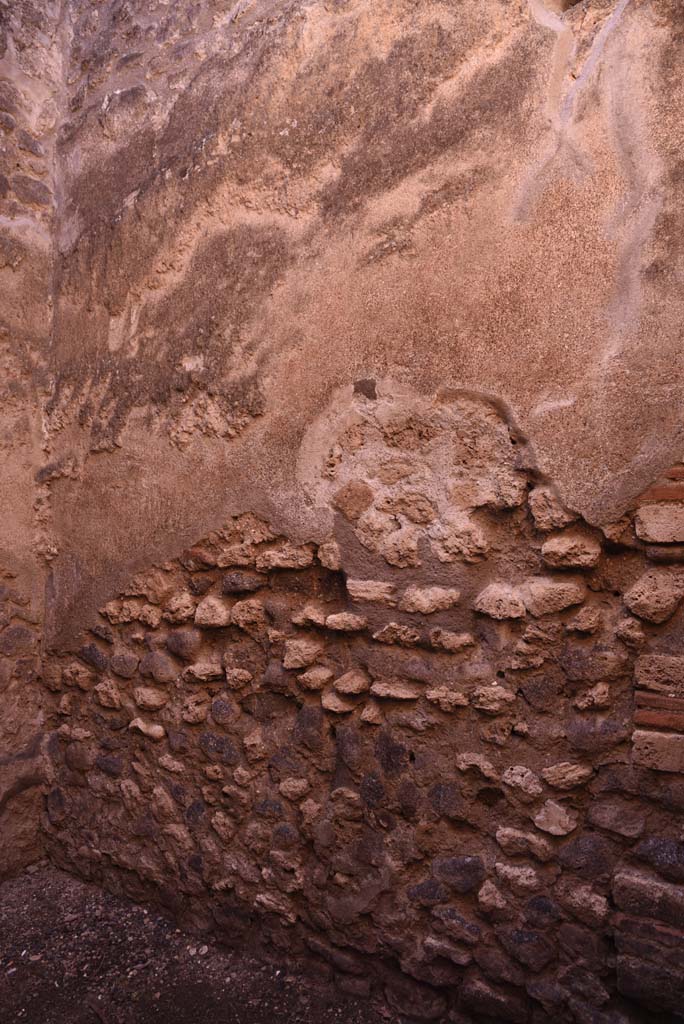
(72, 954)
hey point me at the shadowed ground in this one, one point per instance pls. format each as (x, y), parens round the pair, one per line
(71, 954)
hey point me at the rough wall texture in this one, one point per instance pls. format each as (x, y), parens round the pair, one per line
(30, 93)
(266, 201)
(450, 736)
(383, 301)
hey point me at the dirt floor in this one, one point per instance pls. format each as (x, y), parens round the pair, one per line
(71, 954)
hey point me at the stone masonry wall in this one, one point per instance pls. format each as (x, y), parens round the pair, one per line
(338, 342)
(441, 752)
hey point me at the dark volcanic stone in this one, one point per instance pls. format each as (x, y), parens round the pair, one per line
(124, 665)
(267, 808)
(349, 749)
(585, 985)
(200, 583)
(593, 664)
(547, 992)
(218, 748)
(541, 691)
(265, 707)
(619, 816)
(372, 790)
(392, 755)
(104, 632)
(239, 582)
(184, 643)
(582, 944)
(446, 800)
(428, 893)
(498, 1003)
(409, 798)
(589, 856)
(285, 764)
(179, 741)
(222, 711)
(195, 812)
(109, 764)
(540, 912)
(594, 735)
(15, 640)
(284, 836)
(30, 190)
(457, 926)
(309, 728)
(276, 678)
(656, 986)
(498, 966)
(664, 854)
(462, 874)
(159, 666)
(78, 757)
(530, 948)
(93, 656)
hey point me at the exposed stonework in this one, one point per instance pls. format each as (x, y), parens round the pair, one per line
(383, 302)
(292, 753)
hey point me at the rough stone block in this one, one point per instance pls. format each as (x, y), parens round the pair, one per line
(495, 1003)
(638, 893)
(654, 985)
(571, 550)
(396, 689)
(301, 653)
(661, 672)
(426, 600)
(372, 591)
(665, 854)
(345, 622)
(656, 595)
(461, 874)
(547, 511)
(544, 596)
(396, 633)
(619, 816)
(353, 682)
(661, 522)
(663, 752)
(500, 601)
(555, 819)
(445, 640)
(212, 613)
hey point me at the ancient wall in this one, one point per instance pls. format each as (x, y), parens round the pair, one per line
(30, 80)
(265, 202)
(450, 737)
(343, 430)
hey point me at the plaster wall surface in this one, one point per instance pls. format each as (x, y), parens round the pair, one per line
(342, 534)
(30, 111)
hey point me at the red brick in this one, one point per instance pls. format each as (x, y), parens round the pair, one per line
(659, 700)
(660, 719)
(667, 553)
(664, 492)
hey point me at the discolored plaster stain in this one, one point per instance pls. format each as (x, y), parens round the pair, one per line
(390, 293)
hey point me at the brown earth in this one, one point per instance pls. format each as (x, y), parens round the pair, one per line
(72, 954)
